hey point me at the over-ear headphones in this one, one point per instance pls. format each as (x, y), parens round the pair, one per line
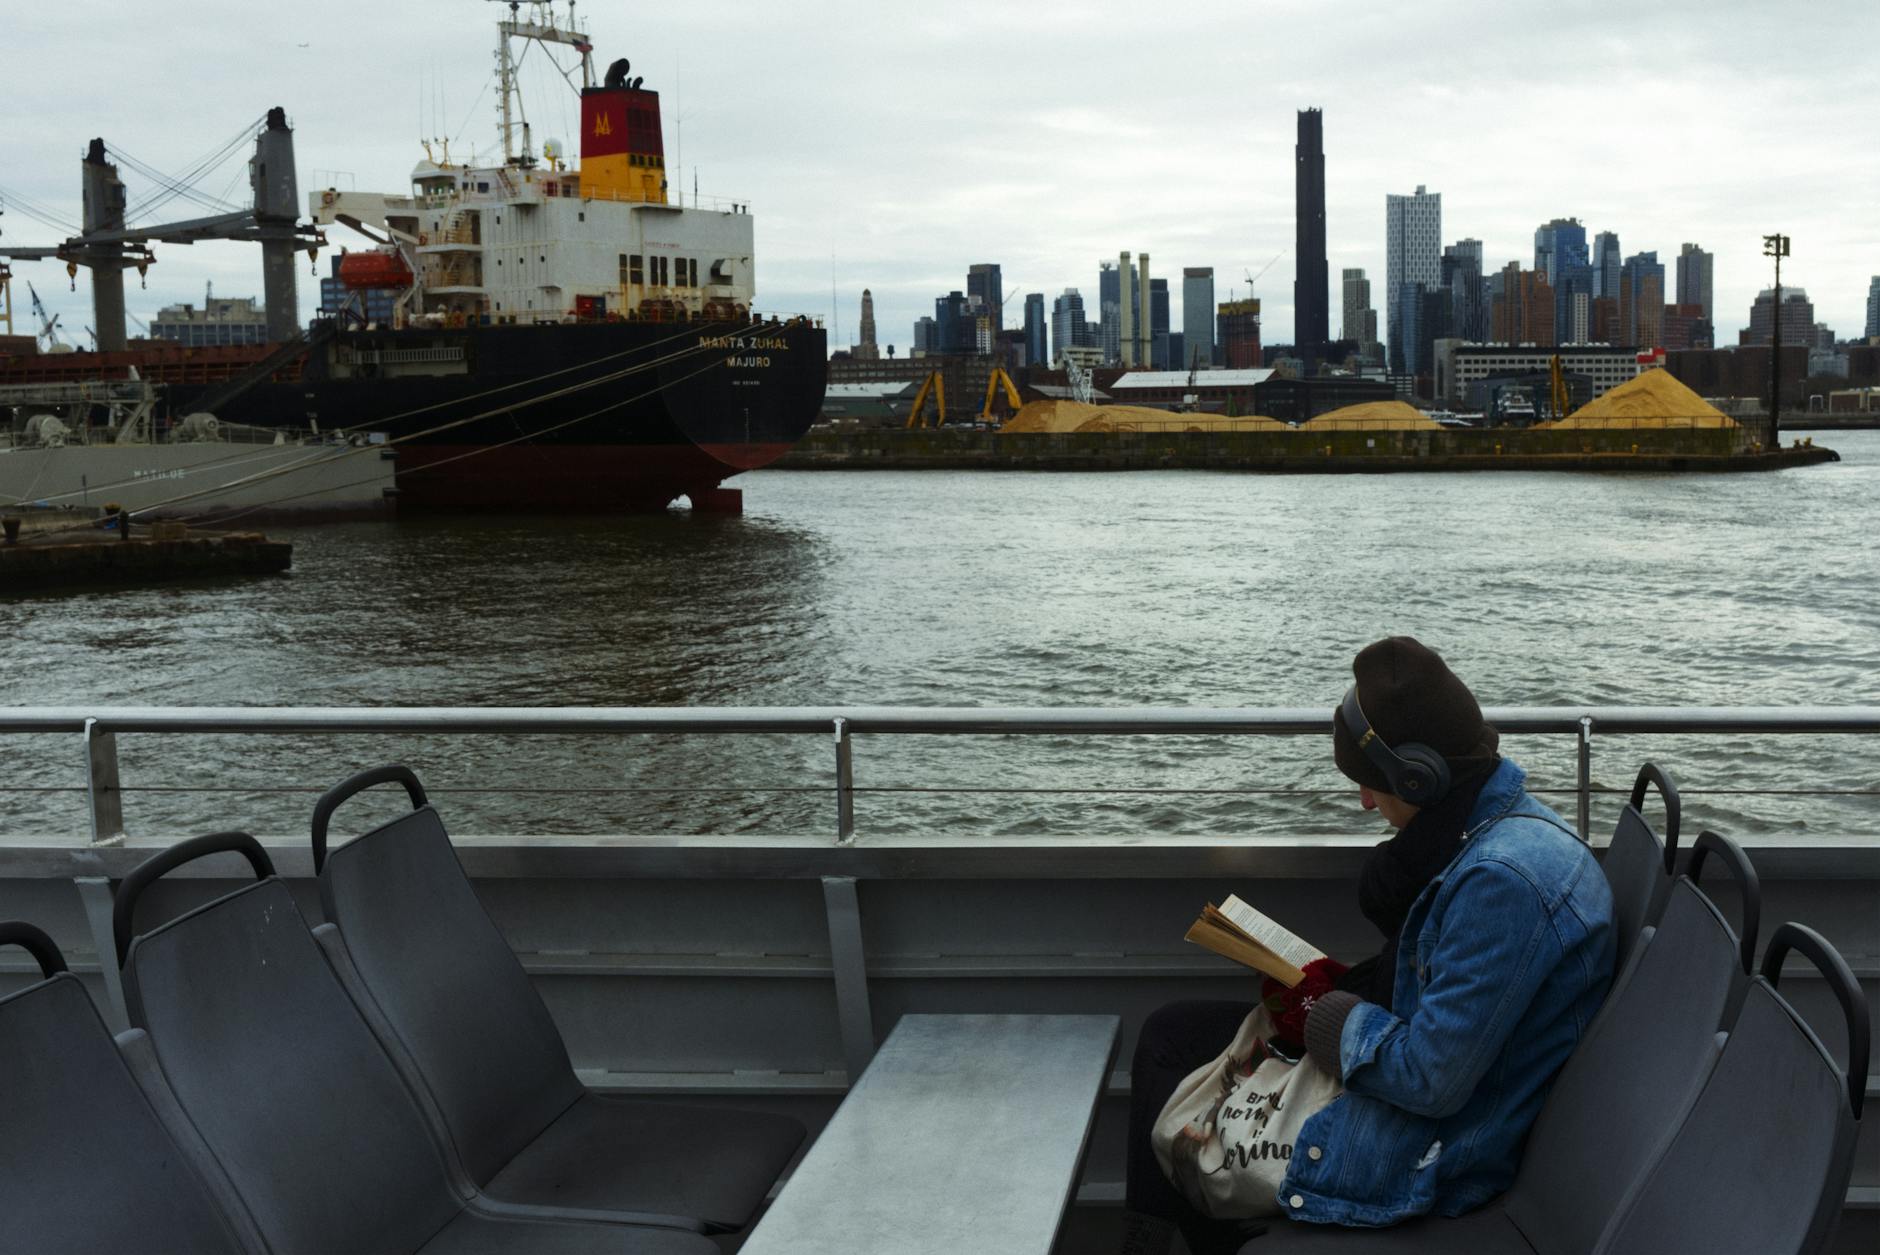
(1417, 773)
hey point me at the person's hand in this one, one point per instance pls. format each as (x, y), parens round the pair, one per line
(1289, 1007)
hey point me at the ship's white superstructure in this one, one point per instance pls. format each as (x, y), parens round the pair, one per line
(552, 240)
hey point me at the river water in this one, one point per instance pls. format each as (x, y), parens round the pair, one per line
(1177, 588)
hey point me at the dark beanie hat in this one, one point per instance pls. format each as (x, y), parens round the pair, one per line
(1410, 694)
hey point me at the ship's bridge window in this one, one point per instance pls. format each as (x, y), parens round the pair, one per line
(483, 187)
(630, 269)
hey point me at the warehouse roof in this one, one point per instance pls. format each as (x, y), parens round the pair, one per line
(871, 389)
(1179, 379)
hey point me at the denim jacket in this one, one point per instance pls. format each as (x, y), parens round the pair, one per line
(1505, 957)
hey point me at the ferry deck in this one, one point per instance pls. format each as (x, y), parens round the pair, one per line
(766, 972)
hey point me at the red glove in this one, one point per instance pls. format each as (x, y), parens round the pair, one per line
(1289, 1007)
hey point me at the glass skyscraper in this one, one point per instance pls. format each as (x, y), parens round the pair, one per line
(1197, 317)
(1413, 253)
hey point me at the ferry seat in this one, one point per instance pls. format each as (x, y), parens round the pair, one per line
(455, 1007)
(1609, 1113)
(1762, 1162)
(1638, 865)
(87, 1163)
(291, 1092)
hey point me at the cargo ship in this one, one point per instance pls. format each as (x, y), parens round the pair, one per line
(564, 334)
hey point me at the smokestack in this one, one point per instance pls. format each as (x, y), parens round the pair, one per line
(1144, 333)
(1125, 312)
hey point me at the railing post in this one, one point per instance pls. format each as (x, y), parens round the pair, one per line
(1584, 781)
(845, 784)
(105, 799)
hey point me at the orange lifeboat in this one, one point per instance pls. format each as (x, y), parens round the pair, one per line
(377, 268)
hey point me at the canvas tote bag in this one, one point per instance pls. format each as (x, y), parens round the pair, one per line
(1226, 1136)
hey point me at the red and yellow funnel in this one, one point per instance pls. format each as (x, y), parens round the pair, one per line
(623, 155)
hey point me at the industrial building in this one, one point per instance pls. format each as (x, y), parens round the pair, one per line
(1460, 365)
(1246, 392)
(876, 403)
(1214, 390)
(238, 320)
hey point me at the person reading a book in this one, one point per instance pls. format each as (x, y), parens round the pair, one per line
(1497, 949)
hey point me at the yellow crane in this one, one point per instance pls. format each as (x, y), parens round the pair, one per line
(937, 387)
(999, 377)
(1557, 395)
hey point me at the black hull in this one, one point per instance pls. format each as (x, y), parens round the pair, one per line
(572, 416)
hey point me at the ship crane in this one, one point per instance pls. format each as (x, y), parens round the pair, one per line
(108, 248)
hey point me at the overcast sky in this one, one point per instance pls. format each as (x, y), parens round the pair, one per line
(888, 145)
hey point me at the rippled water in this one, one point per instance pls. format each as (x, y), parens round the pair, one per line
(993, 588)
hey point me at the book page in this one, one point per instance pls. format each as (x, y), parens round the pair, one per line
(1273, 936)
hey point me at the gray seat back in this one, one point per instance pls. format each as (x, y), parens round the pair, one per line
(85, 1163)
(1631, 1079)
(285, 1082)
(1763, 1161)
(1637, 864)
(444, 979)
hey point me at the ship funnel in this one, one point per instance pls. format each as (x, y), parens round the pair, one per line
(623, 154)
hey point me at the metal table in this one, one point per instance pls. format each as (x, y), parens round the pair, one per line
(966, 1133)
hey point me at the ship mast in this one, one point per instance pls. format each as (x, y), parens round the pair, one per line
(542, 26)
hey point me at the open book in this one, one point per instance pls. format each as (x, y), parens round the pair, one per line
(1236, 931)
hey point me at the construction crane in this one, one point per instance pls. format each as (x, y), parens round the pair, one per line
(1253, 279)
(997, 378)
(48, 323)
(937, 386)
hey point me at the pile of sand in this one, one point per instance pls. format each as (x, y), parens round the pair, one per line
(1654, 399)
(1067, 416)
(1051, 416)
(1374, 416)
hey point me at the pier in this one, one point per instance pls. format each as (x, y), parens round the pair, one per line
(64, 559)
(1301, 452)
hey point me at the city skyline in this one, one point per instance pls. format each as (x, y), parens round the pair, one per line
(1656, 150)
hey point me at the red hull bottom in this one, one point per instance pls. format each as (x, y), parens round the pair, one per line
(585, 478)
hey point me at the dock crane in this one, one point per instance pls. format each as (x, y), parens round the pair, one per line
(48, 324)
(997, 379)
(1557, 396)
(935, 385)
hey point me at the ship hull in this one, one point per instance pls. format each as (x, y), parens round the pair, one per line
(600, 416)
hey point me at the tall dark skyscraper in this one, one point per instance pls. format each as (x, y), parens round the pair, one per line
(986, 288)
(1312, 282)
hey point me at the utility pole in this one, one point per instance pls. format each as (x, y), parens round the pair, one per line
(1776, 246)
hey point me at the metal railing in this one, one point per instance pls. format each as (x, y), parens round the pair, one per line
(99, 728)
